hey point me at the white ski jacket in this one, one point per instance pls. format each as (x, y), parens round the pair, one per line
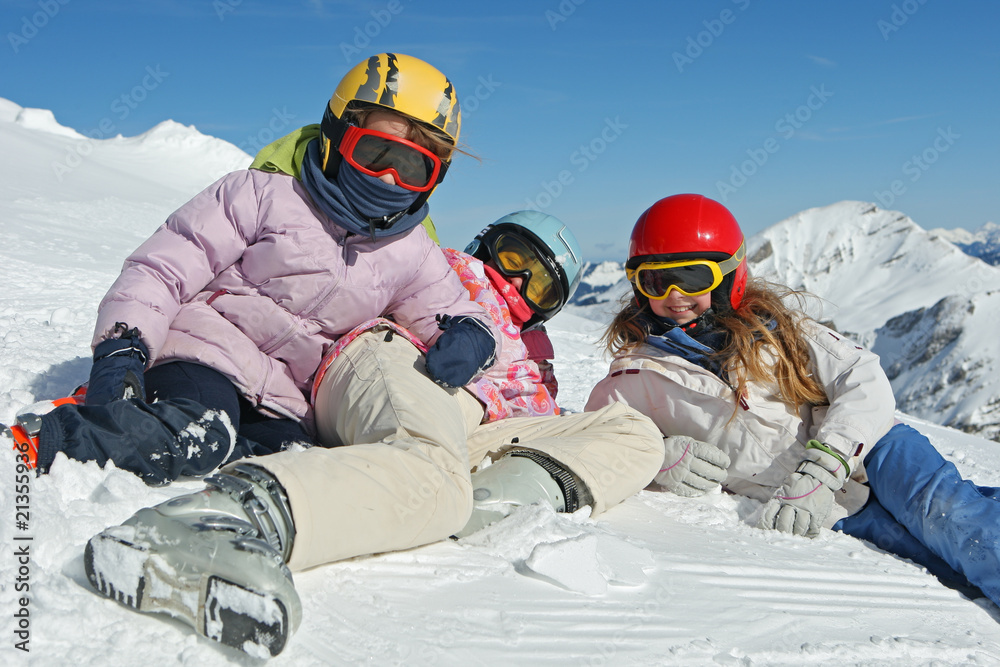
(764, 438)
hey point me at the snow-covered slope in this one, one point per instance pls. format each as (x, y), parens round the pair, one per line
(659, 580)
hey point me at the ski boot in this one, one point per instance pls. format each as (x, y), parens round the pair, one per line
(25, 432)
(78, 397)
(213, 559)
(25, 436)
(521, 477)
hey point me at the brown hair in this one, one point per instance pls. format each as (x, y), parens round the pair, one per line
(764, 342)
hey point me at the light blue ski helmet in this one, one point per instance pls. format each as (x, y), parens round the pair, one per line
(555, 245)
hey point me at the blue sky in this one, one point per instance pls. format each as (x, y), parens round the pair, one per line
(590, 110)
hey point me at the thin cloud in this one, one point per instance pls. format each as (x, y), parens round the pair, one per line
(882, 123)
(906, 119)
(825, 62)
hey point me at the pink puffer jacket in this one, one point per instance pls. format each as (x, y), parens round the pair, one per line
(251, 279)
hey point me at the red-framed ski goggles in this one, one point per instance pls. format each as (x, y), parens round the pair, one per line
(541, 286)
(692, 277)
(377, 153)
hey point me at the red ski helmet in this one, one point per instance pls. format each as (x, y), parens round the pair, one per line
(686, 227)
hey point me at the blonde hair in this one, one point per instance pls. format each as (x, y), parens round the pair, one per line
(764, 341)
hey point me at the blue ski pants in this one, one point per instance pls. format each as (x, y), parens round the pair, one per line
(922, 509)
(178, 431)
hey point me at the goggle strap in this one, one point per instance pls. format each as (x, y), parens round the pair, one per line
(332, 131)
(729, 265)
(424, 196)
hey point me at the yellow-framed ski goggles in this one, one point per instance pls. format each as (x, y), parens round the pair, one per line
(517, 258)
(692, 277)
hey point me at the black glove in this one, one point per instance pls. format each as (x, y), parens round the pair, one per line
(463, 351)
(119, 364)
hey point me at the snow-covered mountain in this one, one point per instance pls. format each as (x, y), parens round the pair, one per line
(927, 308)
(658, 580)
(983, 243)
(162, 166)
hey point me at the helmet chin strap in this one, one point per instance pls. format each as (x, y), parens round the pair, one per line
(385, 222)
(381, 222)
(699, 323)
(703, 321)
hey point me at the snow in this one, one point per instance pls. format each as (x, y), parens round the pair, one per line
(45, 121)
(658, 580)
(8, 111)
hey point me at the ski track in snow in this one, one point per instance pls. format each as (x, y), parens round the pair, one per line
(658, 580)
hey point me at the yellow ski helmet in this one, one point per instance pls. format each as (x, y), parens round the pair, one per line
(404, 84)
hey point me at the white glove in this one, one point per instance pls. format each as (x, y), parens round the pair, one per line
(803, 502)
(691, 467)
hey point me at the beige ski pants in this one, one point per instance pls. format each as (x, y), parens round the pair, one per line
(404, 479)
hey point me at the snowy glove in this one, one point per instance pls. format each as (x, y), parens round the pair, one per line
(462, 352)
(804, 501)
(119, 364)
(691, 467)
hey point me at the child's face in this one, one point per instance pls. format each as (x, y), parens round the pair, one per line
(680, 307)
(390, 123)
